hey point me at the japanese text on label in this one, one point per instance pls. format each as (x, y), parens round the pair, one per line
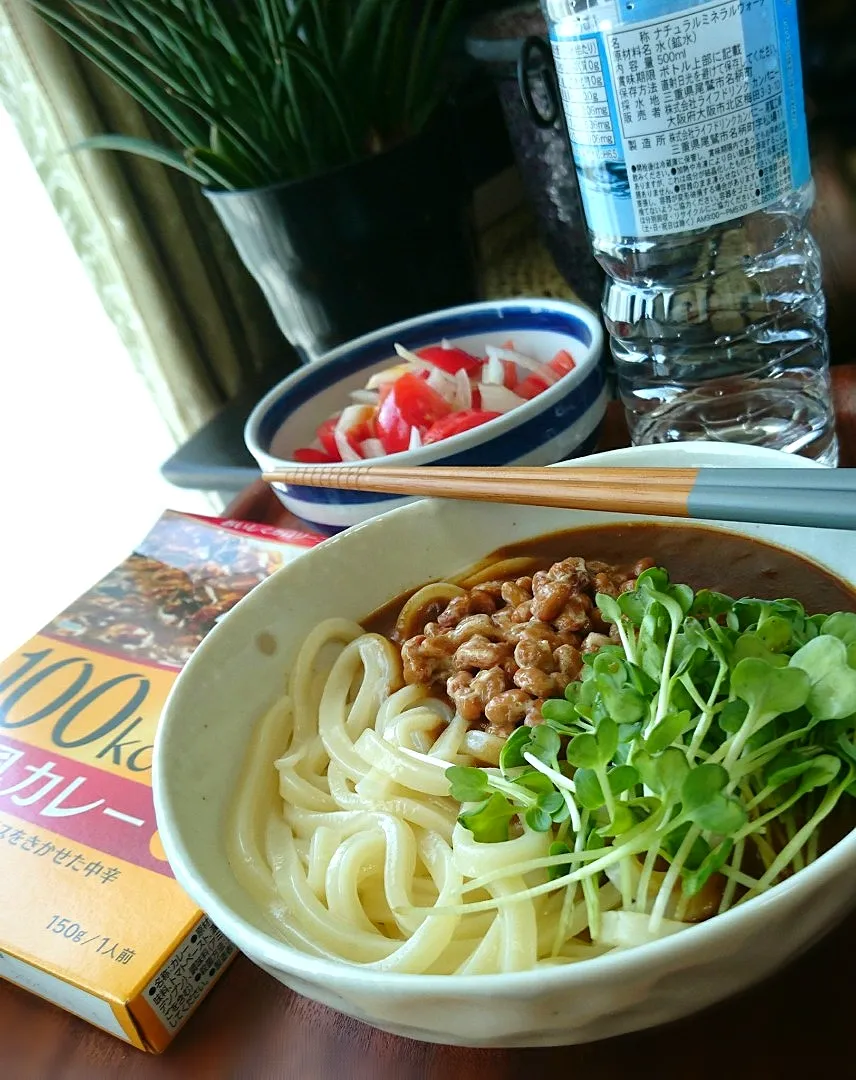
(695, 105)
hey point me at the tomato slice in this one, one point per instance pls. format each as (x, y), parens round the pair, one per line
(531, 387)
(324, 434)
(449, 360)
(457, 422)
(307, 455)
(562, 362)
(409, 403)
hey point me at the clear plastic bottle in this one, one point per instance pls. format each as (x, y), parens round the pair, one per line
(687, 119)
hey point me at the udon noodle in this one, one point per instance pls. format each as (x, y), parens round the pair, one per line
(367, 836)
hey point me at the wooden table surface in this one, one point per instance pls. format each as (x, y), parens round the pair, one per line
(252, 1027)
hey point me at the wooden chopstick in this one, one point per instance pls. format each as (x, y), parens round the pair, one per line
(821, 498)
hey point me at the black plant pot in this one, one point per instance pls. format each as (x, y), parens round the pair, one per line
(346, 252)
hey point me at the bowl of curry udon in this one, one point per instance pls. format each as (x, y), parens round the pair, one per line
(502, 776)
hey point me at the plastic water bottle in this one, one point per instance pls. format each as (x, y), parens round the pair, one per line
(687, 120)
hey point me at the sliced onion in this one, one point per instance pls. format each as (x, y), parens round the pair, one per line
(366, 397)
(388, 375)
(346, 451)
(354, 415)
(493, 372)
(543, 371)
(411, 357)
(463, 390)
(498, 398)
(415, 439)
(444, 384)
(372, 448)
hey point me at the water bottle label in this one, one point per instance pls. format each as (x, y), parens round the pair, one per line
(682, 113)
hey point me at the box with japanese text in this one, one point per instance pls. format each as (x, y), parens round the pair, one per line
(93, 919)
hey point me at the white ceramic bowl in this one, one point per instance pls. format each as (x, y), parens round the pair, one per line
(230, 682)
(561, 422)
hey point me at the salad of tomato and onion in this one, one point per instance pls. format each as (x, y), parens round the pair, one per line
(430, 395)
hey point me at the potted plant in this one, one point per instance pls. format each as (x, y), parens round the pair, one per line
(316, 129)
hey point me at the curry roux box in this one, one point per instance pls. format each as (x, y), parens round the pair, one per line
(92, 918)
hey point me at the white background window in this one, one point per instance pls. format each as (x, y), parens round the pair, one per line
(81, 442)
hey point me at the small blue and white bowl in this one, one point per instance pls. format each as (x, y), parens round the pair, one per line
(562, 422)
